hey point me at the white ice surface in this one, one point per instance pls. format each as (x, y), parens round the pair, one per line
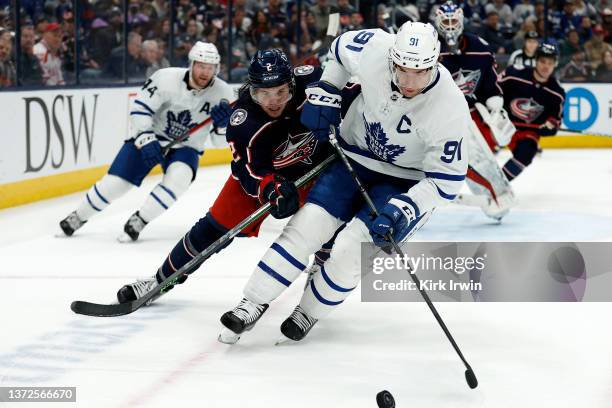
(524, 354)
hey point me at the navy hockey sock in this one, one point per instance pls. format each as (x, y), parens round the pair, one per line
(201, 236)
(523, 153)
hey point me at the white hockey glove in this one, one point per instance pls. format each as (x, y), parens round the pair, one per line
(497, 119)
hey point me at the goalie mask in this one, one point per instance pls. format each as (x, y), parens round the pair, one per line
(449, 23)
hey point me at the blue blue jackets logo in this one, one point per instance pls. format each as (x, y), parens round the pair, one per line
(178, 125)
(377, 139)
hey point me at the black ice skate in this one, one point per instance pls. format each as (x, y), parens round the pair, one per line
(240, 319)
(297, 326)
(132, 228)
(71, 223)
(136, 290)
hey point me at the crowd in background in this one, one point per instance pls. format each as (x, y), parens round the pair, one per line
(107, 52)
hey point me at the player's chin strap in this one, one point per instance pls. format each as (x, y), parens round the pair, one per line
(469, 373)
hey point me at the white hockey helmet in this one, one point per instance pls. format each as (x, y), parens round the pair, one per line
(416, 46)
(204, 52)
(449, 22)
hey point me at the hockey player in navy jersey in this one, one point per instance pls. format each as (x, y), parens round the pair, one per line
(271, 149)
(168, 107)
(534, 100)
(473, 68)
(405, 133)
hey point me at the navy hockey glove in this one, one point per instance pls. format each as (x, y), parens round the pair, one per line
(398, 218)
(221, 114)
(322, 109)
(150, 149)
(282, 195)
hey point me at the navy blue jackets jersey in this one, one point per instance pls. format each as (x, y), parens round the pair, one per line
(262, 146)
(529, 103)
(472, 68)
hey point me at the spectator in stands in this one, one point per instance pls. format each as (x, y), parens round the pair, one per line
(606, 22)
(473, 12)
(47, 50)
(570, 46)
(260, 27)
(585, 9)
(577, 69)
(603, 72)
(135, 66)
(149, 54)
(162, 60)
(596, 47)
(345, 9)
(31, 72)
(490, 33)
(105, 36)
(504, 12)
(585, 29)
(568, 18)
(519, 38)
(525, 57)
(321, 14)
(7, 67)
(523, 11)
(277, 17)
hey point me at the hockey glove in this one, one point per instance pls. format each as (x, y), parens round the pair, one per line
(322, 109)
(397, 218)
(150, 149)
(282, 195)
(221, 114)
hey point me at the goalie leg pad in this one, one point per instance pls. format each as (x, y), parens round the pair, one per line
(307, 230)
(104, 192)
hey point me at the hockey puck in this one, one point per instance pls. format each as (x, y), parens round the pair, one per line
(384, 399)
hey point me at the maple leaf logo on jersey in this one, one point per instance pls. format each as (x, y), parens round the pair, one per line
(526, 109)
(377, 139)
(178, 125)
(297, 148)
(467, 81)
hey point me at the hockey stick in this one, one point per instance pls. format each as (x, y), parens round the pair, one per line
(333, 25)
(191, 131)
(107, 310)
(580, 132)
(469, 373)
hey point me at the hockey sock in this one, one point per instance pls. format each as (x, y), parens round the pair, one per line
(523, 153)
(175, 182)
(104, 192)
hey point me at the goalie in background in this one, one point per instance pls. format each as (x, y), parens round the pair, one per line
(170, 104)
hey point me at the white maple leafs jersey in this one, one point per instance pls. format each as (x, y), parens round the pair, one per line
(167, 107)
(422, 138)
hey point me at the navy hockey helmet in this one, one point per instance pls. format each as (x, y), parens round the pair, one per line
(270, 68)
(547, 50)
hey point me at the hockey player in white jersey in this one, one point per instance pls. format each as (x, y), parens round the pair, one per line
(405, 132)
(164, 129)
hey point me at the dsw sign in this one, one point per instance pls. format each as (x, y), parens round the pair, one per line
(68, 121)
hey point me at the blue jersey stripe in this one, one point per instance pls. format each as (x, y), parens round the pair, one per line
(140, 113)
(144, 105)
(337, 51)
(444, 176)
(444, 195)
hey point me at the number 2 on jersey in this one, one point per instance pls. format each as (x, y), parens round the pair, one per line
(362, 38)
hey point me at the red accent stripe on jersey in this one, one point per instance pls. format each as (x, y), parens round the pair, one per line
(187, 249)
(477, 178)
(254, 137)
(554, 93)
(170, 263)
(516, 79)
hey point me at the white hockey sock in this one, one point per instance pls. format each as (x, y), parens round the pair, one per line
(104, 192)
(309, 228)
(339, 275)
(175, 182)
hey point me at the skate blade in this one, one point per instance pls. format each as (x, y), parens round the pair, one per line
(61, 234)
(283, 340)
(124, 238)
(228, 337)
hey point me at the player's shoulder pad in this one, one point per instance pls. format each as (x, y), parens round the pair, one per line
(516, 71)
(475, 43)
(168, 78)
(553, 83)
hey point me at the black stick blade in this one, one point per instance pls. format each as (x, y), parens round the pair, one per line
(471, 379)
(99, 310)
(384, 399)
